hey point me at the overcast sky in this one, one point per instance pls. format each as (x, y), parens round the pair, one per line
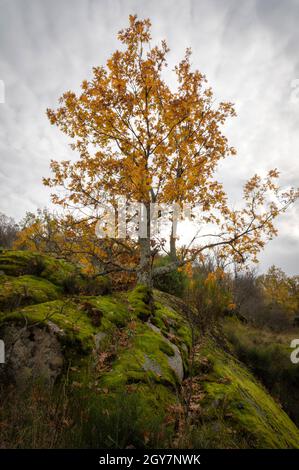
(247, 49)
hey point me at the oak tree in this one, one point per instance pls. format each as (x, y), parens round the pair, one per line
(139, 138)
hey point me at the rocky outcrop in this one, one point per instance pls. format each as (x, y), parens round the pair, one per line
(132, 350)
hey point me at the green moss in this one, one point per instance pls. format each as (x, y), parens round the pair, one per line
(77, 329)
(140, 299)
(15, 263)
(153, 406)
(166, 349)
(58, 271)
(158, 322)
(81, 284)
(25, 290)
(144, 360)
(173, 325)
(133, 416)
(114, 312)
(247, 407)
(184, 332)
(18, 263)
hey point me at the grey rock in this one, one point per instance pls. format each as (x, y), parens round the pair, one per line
(31, 353)
(155, 328)
(53, 328)
(175, 362)
(151, 365)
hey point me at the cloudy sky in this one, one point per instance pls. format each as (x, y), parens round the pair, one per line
(247, 49)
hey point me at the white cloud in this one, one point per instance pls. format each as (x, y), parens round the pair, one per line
(248, 50)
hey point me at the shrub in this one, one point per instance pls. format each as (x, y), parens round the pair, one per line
(174, 282)
(76, 284)
(211, 295)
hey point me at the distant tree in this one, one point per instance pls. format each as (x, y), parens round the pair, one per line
(8, 231)
(39, 232)
(280, 290)
(270, 299)
(248, 294)
(76, 240)
(139, 138)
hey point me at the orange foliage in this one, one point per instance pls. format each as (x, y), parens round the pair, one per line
(138, 138)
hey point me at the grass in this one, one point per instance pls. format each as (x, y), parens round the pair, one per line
(267, 354)
(67, 417)
(231, 389)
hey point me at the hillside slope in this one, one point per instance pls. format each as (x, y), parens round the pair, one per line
(267, 354)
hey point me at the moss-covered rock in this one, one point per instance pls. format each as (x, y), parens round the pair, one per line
(25, 290)
(136, 345)
(169, 316)
(73, 325)
(140, 300)
(143, 360)
(110, 310)
(58, 271)
(18, 263)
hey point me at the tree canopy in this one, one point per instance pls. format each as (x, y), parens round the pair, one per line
(139, 138)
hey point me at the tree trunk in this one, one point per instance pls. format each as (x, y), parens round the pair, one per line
(144, 275)
(172, 243)
(173, 235)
